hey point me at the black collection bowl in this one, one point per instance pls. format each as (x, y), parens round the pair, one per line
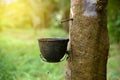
(53, 49)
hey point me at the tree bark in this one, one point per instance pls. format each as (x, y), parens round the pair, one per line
(89, 43)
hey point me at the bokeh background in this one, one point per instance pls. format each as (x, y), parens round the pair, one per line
(22, 22)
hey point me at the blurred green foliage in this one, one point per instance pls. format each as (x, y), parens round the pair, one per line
(19, 56)
(114, 20)
(7, 67)
(28, 13)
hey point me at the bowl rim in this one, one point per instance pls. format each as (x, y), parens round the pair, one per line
(52, 39)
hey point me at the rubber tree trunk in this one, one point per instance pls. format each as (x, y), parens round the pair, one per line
(89, 44)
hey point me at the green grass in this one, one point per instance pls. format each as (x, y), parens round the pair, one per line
(19, 56)
(114, 63)
(21, 59)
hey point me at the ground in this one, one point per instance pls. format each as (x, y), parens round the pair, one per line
(19, 56)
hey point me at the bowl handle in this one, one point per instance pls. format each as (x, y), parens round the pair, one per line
(43, 58)
(66, 56)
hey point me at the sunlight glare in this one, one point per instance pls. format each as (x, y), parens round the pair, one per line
(7, 1)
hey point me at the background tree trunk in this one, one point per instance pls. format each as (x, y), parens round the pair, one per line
(66, 14)
(89, 44)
